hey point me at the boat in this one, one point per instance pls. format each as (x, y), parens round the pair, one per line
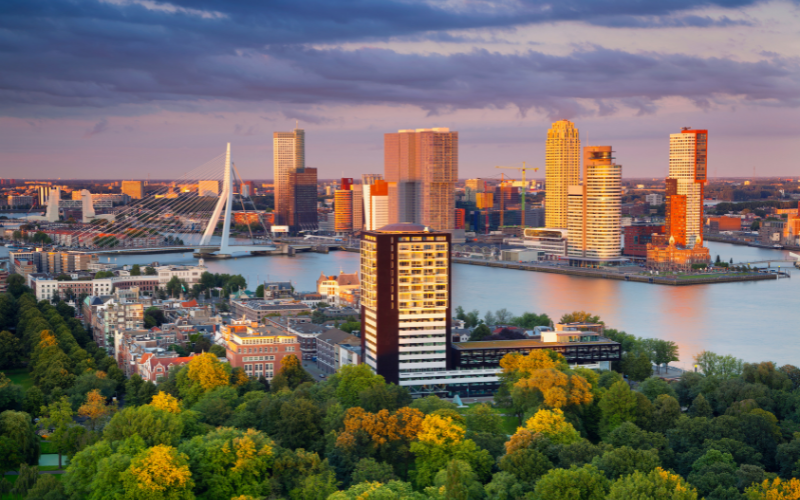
(777, 247)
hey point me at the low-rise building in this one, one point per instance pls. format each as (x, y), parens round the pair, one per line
(328, 353)
(637, 236)
(258, 350)
(672, 257)
(256, 310)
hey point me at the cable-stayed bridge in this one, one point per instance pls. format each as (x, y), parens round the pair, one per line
(185, 214)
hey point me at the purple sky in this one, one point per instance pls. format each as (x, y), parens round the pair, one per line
(123, 88)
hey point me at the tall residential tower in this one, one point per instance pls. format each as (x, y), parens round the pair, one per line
(405, 301)
(594, 209)
(562, 170)
(688, 167)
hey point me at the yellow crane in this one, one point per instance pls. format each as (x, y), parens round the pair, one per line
(522, 169)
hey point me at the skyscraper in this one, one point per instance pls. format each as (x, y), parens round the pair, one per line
(375, 192)
(688, 166)
(134, 189)
(301, 189)
(289, 152)
(405, 301)
(593, 219)
(424, 165)
(343, 207)
(562, 170)
(208, 188)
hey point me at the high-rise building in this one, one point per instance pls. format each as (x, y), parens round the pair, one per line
(562, 170)
(424, 165)
(688, 168)
(289, 152)
(134, 189)
(593, 219)
(343, 207)
(375, 192)
(405, 301)
(208, 188)
(301, 191)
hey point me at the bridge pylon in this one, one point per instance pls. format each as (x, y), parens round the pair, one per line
(224, 203)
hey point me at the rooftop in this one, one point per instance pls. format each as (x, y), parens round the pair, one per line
(403, 227)
(523, 344)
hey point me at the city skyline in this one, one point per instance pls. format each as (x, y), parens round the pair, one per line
(499, 77)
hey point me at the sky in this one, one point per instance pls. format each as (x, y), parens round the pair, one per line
(129, 88)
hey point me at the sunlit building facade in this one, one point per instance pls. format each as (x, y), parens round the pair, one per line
(593, 218)
(375, 192)
(289, 155)
(562, 170)
(405, 300)
(423, 165)
(688, 168)
(134, 189)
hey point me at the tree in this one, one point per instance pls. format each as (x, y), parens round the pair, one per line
(174, 286)
(530, 320)
(260, 291)
(543, 377)
(552, 424)
(664, 352)
(206, 370)
(481, 332)
(700, 407)
(150, 271)
(666, 411)
(95, 407)
(579, 317)
(472, 318)
(655, 484)
(10, 351)
(503, 316)
(370, 470)
(625, 460)
(715, 365)
(160, 472)
(489, 318)
(136, 270)
(166, 402)
(458, 482)
(152, 425)
(637, 366)
(755, 226)
(585, 483)
(482, 418)
(18, 438)
(653, 387)
(776, 490)
(58, 416)
(618, 405)
(291, 374)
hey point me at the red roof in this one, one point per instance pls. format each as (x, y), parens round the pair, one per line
(191, 303)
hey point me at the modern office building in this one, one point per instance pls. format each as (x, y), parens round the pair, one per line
(688, 167)
(594, 210)
(375, 192)
(289, 155)
(301, 194)
(654, 199)
(134, 189)
(343, 207)
(405, 300)
(562, 170)
(208, 188)
(423, 164)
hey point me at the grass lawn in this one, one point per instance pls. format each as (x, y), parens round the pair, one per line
(20, 376)
(510, 422)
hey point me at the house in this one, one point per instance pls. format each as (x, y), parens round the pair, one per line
(328, 351)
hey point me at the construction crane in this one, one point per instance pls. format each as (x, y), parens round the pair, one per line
(522, 169)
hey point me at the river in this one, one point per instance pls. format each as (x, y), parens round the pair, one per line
(755, 321)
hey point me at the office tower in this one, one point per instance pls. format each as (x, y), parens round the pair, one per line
(343, 207)
(405, 300)
(44, 195)
(289, 152)
(423, 164)
(593, 219)
(358, 207)
(247, 189)
(301, 193)
(375, 192)
(208, 188)
(562, 169)
(134, 189)
(688, 165)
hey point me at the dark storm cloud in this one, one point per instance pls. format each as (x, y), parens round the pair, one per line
(67, 54)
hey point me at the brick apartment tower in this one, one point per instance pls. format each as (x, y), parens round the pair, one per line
(289, 155)
(562, 170)
(421, 167)
(405, 300)
(685, 186)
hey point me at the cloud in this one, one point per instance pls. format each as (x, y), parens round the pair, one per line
(98, 128)
(59, 55)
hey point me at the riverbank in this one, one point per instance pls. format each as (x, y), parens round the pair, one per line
(737, 241)
(675, 280)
